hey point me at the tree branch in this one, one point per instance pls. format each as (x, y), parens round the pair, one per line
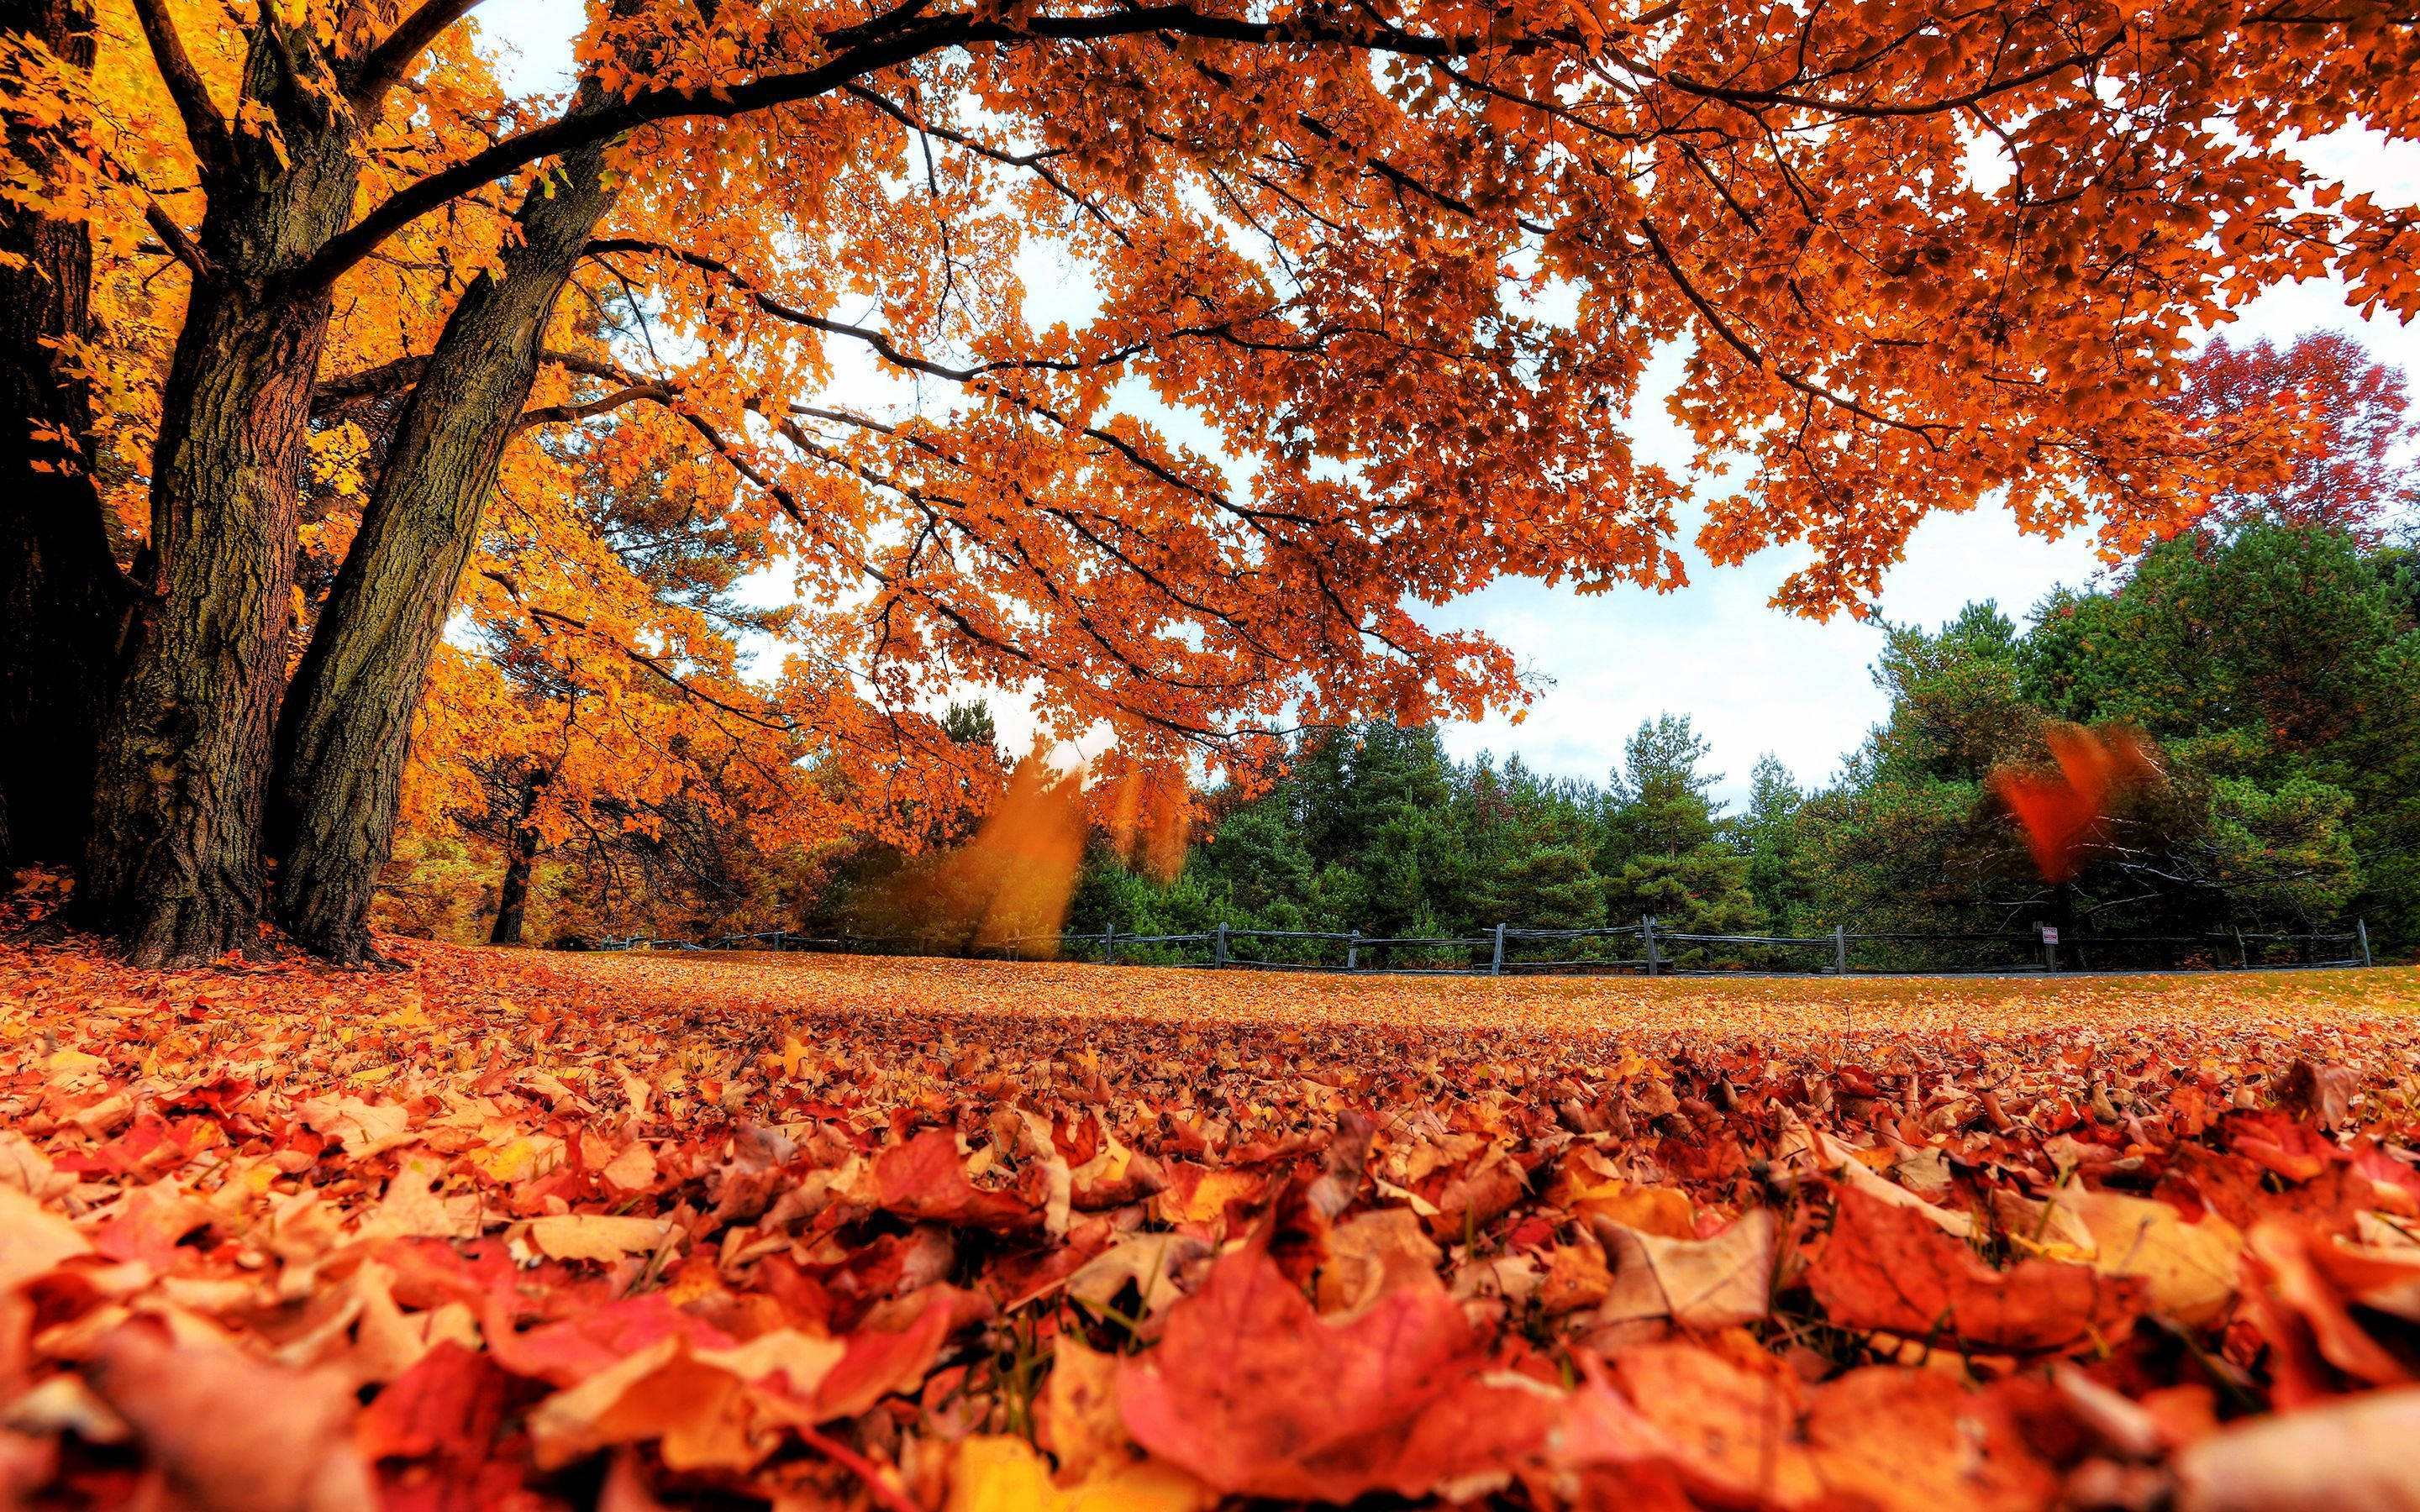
(556, 414)
(171, 236)
(403, 372)
(1759, 362)
(885, 50)
(205, 127)
(382, 66)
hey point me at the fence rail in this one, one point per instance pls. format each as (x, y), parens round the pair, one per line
(1658, 952)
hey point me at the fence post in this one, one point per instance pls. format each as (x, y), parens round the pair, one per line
(1646, 929)
(2361, 928)
(1495, 967)
(1109, 947)
(2242, 951)
(1839, 949)
(1219, 956)
(1353, 951)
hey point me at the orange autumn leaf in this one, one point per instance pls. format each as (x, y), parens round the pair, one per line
(1885, 1267)
(2061, 812)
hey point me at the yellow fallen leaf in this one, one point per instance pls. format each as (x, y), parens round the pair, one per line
(593, 1236)
(33, 1239)
(1372, 1254)
(998, 1472)
(2189, 1269)
(71, 1063)
(519, 1159)
(1077, 1418)
(1209, 1198)
(1150, 1262)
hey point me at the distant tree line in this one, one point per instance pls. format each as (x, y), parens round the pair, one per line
(2274, 667)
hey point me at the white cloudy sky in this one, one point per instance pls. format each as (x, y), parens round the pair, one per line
(1754, 680)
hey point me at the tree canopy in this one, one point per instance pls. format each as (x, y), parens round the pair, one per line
(355, 331)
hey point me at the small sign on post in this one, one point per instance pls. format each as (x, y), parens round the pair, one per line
(2049, 946)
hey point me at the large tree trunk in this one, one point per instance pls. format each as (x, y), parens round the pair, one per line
(63, 600)
(347, 725)
(174, 863)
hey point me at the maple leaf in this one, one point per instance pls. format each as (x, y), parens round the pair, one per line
(925, 1179)
(1884, 1267)
(1254, 1393)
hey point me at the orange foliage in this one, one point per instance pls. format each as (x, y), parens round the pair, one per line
(1407, 274)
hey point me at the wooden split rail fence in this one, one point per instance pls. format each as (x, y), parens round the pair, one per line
(1644, 948)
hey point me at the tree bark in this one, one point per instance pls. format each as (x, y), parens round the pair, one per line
(512, 898)
(173, 866)
(63, 600)
(346, 728)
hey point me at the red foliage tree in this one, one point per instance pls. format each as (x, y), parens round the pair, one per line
(2351, 467)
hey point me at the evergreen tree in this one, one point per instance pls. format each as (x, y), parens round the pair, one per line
(1664, 854)
(1768, 832)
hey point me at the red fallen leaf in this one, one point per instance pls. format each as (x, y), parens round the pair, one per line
(926, 1180)
(2322, 1184)
(1476, 1194)
(1256, 1395)
(431, 1272)
(878, 1363)
(450, 1402)
(2293, 1165)
(1609, 1456)
(1888, 1268)
(231, 1433)
(1735, 1432)
(149, 1222)
(1078, 1140)
(152, 1143)
(2308, 1310)
(568, 1352)
(2393, 1185)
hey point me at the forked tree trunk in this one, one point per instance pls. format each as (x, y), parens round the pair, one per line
(347, 725)
(63, 600)
(173, 866)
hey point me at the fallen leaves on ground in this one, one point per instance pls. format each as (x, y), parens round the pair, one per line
(503, 1230)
